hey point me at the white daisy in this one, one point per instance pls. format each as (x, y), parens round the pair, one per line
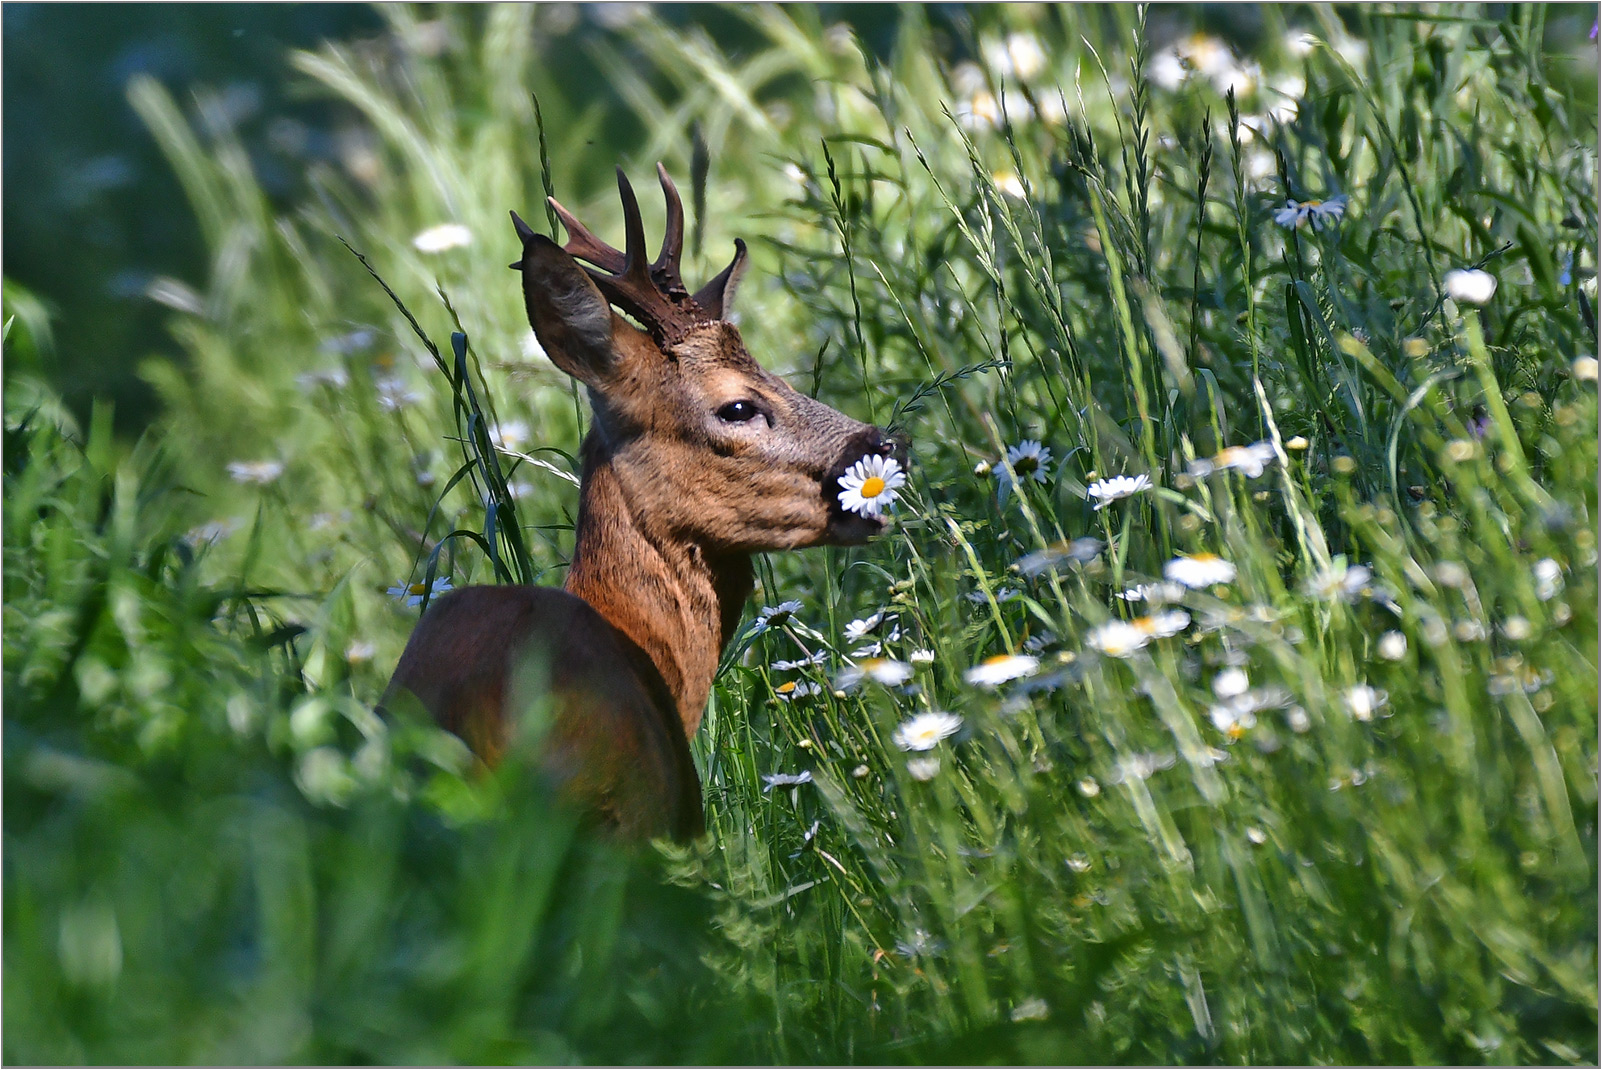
(1199, 570)
(394, 394)
(997, 670)
(260, 473)
(794, 689)
(1317, 213)
(923, 768)
(786, 780)
(412, 593)
(801, 663)
(1363, 701)
(1230, 683)
(921, 657)
(1118, 638)
(1155, 593)
(859, 629)
(872, 650)
(1107, 491)
(1471, 286)
(1078, 551)
(773, 616)
(870, 484)
(1164, 624)
(1340, 580)
(925, 730)
(1248, 460)
(442, 237)
(509, 435)
(1232, 719)
(1393, 646)
(1028, 458)
(886, 671)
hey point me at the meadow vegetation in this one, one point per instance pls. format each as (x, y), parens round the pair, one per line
(1285, 752)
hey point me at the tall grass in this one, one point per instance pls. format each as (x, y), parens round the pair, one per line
(1383, 849)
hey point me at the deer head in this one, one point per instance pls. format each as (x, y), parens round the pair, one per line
(704, 445)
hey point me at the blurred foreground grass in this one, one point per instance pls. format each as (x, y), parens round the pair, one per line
(1288, 756)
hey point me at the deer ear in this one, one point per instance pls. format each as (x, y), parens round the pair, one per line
(570, 317)
(717, 296)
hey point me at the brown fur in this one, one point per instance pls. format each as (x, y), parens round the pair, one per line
(674, 499)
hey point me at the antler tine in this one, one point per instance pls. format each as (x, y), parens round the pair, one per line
(666, 266)
(636, 272)
(581, 243)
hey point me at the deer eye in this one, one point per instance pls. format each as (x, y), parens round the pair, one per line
(739, 412)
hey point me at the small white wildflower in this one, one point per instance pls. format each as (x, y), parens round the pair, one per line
(412, 593)
(872, 650)
(1364, 701)
(886, 671)
(1451, 574)
(1031, 1010)
(1548, 579)
(333, 378)
(1077, 551)
(1118, 638)
(1107, 491)
(445, 236)
(860, 771)
(1517, 628)
(870, 484)
(1250, 461)
(997, 670)
(1339, 580)
(1008, 182)
(925, 730)
(1089, 788)
(923, 768)
(1470, 286)
(1027, 459)
(791, 690)
(1155, 593)
(360, 651)
(786, 780)
(1257, 835)
(1036, 643)
(921, 657)
(1469, 630)
(773, 616)
(859, 629)
(1140, 766)
(1199, 570)
(508, 435)
(394, 394)
(260, 473)
(1230, 683)
(1393, 646)
(1584, 369)
(1162, 625)
(1232, 719)
(1297, 719)
(801, 663)
(1318, 214)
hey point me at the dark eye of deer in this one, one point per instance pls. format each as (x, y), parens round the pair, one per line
(738, 412)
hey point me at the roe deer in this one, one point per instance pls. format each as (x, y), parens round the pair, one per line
(696, 458)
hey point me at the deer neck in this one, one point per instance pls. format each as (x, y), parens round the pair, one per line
(679, 602)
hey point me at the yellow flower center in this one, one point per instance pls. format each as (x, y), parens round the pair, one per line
(998, 659)
(1208, 558)
(417, 588)
(1313, 204)
(872, 487)
(785, 688)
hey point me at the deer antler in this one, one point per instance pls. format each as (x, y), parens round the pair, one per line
(654, 294)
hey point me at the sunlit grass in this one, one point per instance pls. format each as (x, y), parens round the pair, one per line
(1289, 755)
